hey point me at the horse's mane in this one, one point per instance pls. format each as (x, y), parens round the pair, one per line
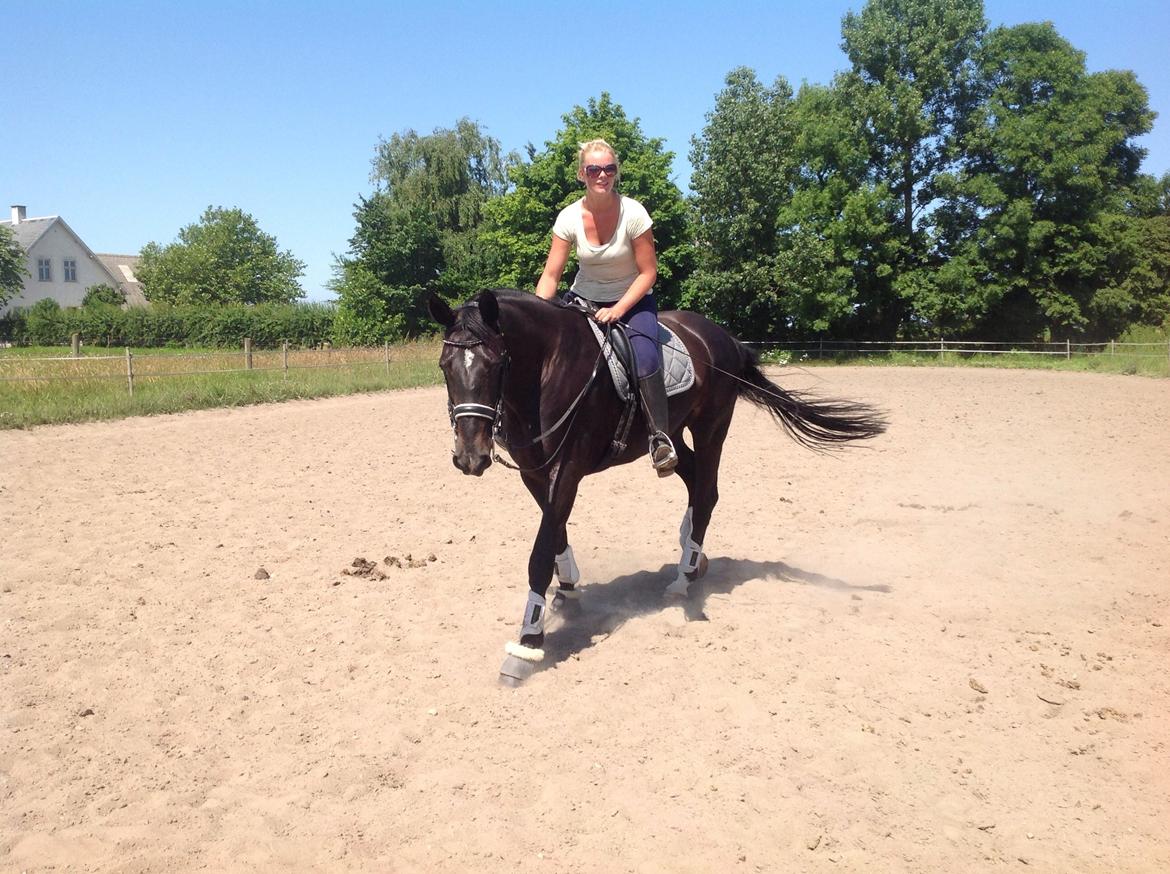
(512, 301)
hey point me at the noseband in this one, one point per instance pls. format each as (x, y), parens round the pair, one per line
(494, 414)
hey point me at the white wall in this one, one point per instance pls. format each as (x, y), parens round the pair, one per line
(57, 244)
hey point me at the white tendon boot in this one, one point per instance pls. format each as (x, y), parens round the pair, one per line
(533, 624)
(567, 570)
(688, 562)
(568, 575)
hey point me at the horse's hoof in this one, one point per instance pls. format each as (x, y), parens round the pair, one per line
(570, 608)
(701, 571)
(515, 671)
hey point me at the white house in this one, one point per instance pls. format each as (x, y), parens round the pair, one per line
(62, 267)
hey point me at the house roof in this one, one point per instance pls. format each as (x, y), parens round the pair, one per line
(28, 231)
(122, 268)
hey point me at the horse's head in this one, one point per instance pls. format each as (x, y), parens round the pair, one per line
(474, 363)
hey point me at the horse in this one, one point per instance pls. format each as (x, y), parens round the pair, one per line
(519, 373)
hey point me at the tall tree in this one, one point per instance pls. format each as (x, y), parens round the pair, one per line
(1033, 221)
(743, 177)
(1149, 279)
(417, 232)
(518, 225)
(222, 258)
(840, 242)
(794, 235)
(912, 81)
(12, 269)
(911, 87)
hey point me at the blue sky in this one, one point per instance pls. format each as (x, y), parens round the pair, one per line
(129, 118)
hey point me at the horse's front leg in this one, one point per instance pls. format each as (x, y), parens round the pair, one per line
(550, 551)
(566, 599)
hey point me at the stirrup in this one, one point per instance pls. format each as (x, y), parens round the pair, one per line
(662, 454)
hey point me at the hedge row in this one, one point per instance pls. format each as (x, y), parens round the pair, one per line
(47, 324)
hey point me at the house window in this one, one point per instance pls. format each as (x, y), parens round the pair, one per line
(44, 270)
(70, 268)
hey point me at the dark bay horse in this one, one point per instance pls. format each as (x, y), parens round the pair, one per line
(523, 372)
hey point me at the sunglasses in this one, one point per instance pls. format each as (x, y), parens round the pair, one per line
(595, 170)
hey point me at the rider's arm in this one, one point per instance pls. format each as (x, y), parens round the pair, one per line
(646, 257)
(554, 266)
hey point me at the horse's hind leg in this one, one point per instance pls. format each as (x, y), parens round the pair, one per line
(566, 599)
(700, 471)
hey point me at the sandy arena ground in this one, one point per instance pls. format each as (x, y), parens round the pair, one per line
(945, 651)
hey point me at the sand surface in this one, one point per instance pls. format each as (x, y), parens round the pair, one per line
(945, 651)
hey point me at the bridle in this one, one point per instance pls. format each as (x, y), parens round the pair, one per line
(495, 414)
(469, 410)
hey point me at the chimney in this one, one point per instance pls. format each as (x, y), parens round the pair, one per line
(19, 213)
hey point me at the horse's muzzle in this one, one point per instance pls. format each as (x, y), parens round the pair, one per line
(473, 447)
(472, 464)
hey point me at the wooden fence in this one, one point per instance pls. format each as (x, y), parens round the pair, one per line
(131, 367)
(1065, 349)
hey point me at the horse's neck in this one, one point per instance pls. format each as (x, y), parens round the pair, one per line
(541, 340)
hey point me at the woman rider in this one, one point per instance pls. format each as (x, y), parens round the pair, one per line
(618, 267)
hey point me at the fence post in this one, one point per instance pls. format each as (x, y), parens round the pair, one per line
(387, 345)
(1067, 349)
(248, 353)
(1112, 347)
(130, 370)
(75, 342)
(284, 356)
(942, 348)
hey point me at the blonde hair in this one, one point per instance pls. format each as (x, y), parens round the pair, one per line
(597, 145)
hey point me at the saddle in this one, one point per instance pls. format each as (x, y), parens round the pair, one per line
(678, 369)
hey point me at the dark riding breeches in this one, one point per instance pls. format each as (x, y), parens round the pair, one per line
(642, 322)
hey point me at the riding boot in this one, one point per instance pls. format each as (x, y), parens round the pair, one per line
(652, 388)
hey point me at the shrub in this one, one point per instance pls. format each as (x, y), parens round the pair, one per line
(103, 295)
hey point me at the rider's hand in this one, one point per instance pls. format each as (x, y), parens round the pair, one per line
(606, 315)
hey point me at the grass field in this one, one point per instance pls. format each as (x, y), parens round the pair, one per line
(38, 386)
(1148, 364)
(1141, 351)
(42, 385)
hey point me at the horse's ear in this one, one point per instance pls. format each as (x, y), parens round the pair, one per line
(440, 311)
(489, 309)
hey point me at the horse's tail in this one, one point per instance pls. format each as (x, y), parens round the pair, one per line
(812, 422)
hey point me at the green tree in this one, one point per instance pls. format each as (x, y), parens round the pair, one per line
(222, 258)
(911, 88)
(12, 266)
(1033, 235)
(743, 177)
(794, 237)
(418, 231)
(517, 226)
(1149, 196)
